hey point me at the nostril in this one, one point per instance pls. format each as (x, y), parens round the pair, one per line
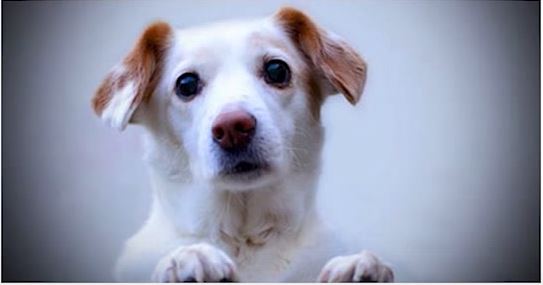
(243, 127)
(218, 133)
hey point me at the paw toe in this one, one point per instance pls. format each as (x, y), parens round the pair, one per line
(189, 279)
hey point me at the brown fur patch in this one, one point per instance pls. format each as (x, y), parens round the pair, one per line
(337, 61)
(316, 95)
(143, 65)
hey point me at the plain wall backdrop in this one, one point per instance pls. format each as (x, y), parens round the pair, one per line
(437, 169)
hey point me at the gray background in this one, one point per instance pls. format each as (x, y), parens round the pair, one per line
(437, 169)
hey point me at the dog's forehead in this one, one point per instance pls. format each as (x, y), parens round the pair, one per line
(231, 35)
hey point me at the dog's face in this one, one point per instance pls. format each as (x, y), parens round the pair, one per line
(241, 99)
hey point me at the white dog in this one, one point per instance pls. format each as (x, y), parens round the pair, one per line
(233, 140)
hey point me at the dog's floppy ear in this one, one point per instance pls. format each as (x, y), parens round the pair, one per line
(339, 63)
(134, 80)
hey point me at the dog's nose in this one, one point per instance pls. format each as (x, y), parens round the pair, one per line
(233, 129)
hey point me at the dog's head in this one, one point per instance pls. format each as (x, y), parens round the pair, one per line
(241, 100)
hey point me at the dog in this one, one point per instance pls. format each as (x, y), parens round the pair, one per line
(233, 139)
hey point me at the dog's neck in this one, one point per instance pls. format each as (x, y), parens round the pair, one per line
(236, 219)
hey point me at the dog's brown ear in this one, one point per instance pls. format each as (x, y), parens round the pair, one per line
(134, 80)
(339, 63)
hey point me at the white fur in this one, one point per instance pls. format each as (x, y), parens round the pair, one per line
(120, 108)
(357, 267)
(200, 225)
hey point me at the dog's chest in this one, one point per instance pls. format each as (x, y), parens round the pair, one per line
(255, 236)
(260, 257)
(245, 226)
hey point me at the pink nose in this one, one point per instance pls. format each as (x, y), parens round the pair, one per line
(233, 129)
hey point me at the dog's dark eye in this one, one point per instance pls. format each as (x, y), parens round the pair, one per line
(277, 73)
(187, 85)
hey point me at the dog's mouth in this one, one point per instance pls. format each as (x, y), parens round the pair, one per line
(244, 174)
(242, 168)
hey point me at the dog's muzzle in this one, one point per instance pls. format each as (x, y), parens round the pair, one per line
(233, 134)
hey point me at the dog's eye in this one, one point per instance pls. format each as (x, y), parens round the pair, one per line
(277, 73)
(186, 85)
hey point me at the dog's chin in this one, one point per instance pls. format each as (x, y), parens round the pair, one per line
(245, 176)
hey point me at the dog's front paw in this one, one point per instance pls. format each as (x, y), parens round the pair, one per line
(196, 263)
(362, 267)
